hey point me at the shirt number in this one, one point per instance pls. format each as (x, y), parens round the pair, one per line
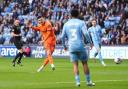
(73, 34)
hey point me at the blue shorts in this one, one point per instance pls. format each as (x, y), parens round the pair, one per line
(75, 56)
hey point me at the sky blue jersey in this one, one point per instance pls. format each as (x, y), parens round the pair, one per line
(96, 34)
(74, 30)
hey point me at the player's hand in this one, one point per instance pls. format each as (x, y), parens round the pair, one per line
(29, 24)
(91, 46)
(65, 48)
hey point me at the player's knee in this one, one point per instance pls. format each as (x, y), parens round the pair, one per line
(21, 50)
(48, 52)
(84, 62)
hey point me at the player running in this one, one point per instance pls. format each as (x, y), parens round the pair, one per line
(16, 33)
(48, 38)
(96, 34)
(74, 30)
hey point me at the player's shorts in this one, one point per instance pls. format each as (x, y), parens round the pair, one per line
(50, 45)
(18, 44)
(75, 56)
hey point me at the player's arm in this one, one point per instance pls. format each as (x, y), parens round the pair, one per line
(63, 36)
(29, 24)
(86, 33)
(37, 28)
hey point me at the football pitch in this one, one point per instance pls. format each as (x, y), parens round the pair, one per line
(114, 76)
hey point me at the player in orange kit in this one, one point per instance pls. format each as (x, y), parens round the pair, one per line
(48, 38)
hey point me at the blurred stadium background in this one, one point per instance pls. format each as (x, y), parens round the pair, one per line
(112, 16)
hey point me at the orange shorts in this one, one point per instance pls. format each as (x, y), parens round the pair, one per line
(50, 46)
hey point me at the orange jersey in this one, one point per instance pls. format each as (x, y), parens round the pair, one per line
(47, 32)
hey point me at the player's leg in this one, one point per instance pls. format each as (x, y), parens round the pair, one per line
(101, 59)
(87, 74)
(76, 72)
(84, 59)
(100, 56)
(16, 43)
(50, 51)
(48, 59)
(96, 52)
(21, 53)
(17, 56)
(43, 65)
(74, 60)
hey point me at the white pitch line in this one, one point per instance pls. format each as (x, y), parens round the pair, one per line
(71, 82)
(94, 81)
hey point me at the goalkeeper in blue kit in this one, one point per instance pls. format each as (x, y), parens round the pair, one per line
(74, 30)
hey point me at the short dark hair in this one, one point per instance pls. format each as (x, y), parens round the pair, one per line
(93, 19)
(39, 17)
(74, 13)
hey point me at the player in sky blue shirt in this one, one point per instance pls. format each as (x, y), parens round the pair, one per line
(75, 30)
(96, 34)
(74, 33)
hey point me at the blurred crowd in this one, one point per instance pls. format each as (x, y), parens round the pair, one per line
(111, 15)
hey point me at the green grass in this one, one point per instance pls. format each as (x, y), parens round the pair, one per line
(114, 76)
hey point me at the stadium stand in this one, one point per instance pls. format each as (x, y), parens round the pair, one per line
(112, 16)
